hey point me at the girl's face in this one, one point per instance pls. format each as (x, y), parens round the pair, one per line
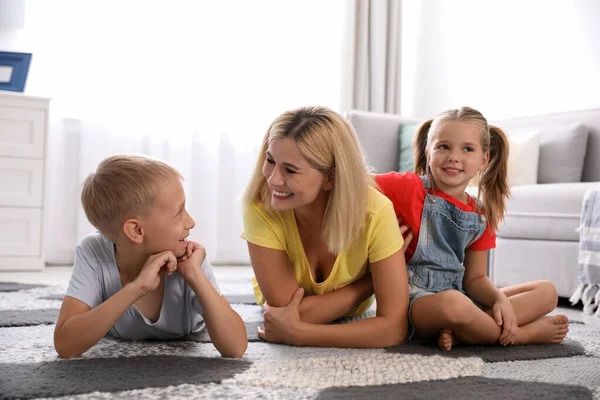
(455, 155)
(293, 182)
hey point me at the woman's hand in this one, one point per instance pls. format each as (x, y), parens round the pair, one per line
(281, 323)
(504, 315)
(408, 237)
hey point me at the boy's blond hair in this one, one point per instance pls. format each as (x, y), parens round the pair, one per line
(329, 144)
(122, 187)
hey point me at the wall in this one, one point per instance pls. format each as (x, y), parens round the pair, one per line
(12, 22)
(506, 58)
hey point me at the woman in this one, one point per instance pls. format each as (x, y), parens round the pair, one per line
(322, 239)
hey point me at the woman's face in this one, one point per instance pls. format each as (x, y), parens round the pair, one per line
(292, 181)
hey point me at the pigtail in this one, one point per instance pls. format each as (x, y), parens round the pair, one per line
(494, 179)
(420, 146)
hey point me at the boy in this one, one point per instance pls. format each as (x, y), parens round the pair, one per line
(124, 282)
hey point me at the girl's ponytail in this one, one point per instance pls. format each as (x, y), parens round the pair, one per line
(494, 179)
(420, 147)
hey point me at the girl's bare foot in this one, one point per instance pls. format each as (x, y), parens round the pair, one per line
(544, 330)
(446, 339)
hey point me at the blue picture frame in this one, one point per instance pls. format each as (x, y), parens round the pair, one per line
(19, 62)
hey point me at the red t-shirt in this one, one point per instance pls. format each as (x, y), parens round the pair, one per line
(407, 193)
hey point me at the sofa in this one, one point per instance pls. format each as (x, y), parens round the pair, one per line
(538, 238)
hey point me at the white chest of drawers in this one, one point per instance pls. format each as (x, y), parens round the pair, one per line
(23, 136)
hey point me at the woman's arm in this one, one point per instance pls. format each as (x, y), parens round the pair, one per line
(275, 276)
(476, 282)
(388, 328)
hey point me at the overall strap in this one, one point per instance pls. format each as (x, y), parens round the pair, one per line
(425, 180)
(428, 185)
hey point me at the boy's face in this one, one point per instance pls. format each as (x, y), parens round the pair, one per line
(168, 223)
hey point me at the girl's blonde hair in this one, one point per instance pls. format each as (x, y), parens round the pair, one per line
(122, 187)
(329, 144)
(493, 182)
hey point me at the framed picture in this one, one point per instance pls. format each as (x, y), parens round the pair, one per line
(14, 68)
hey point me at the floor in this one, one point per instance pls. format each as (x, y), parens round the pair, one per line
(59, 275)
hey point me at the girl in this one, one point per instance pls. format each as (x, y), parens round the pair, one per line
(321, 238)
(450, 296)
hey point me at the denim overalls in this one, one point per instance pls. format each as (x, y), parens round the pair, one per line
(446, 232)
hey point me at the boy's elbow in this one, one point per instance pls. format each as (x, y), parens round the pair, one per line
(64, 351)
(236, 351)
(63, 347)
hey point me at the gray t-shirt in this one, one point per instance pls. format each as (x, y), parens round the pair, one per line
(95, 278)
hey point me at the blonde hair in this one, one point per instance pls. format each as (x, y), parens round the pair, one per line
(328, 143)
(123, 186)
(493, 182)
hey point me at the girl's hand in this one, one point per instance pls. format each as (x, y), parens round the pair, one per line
(408, 237)
(281, 322)
(505, 317)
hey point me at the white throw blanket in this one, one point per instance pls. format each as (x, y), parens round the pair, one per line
(588, 268)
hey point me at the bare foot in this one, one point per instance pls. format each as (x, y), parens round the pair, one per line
(544, 330)
(446, 339)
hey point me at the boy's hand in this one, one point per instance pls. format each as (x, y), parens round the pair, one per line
(149, 277)
(189, 264)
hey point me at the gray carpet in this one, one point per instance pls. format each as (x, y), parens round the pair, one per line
(28, 317)
(475, 388)
(14, 286)
(112, 374)
(192, 368)
(10, 318)
(568, 348)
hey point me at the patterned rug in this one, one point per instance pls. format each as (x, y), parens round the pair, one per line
(192, 368)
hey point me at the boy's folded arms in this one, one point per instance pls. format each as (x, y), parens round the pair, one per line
(139, 277)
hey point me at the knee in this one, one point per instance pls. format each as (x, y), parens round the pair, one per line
(547, 295)
(458, 308)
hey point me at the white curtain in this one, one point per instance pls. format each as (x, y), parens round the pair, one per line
(195, 83)
(373, 56)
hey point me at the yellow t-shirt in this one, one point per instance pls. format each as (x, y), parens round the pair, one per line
(379, 239)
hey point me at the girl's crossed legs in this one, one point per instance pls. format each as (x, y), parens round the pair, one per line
(450, 314)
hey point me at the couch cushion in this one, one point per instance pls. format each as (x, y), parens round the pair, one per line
(406, 159)
(544, 211)
(562, 153)
(378, 136)
(523, 156)
(590, 118)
